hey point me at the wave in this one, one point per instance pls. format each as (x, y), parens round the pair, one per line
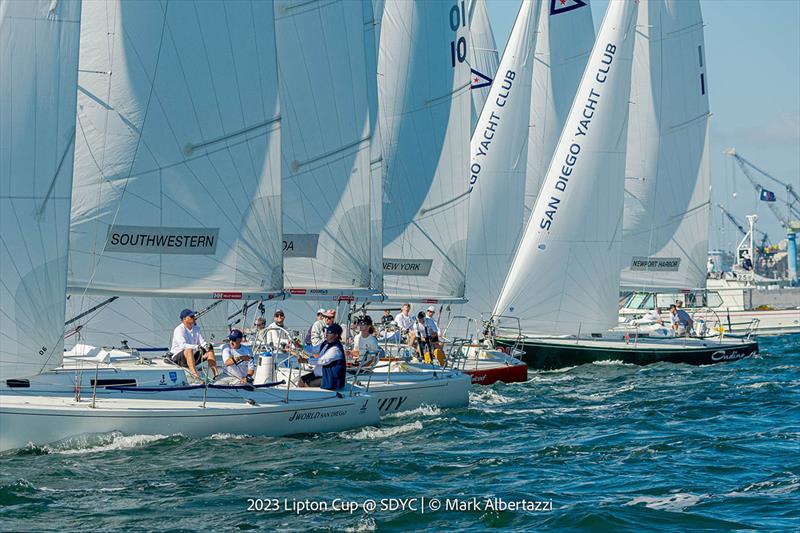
(372, 433)
(488, 397)
(423, 410)
(101, 443)
(673, 502)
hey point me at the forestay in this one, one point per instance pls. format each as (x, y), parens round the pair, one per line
(483, 57)
(565, 275)
(39, 43)
(332, 229)
(425, 107)
(665, 238)
(498, 152)
(177, 177)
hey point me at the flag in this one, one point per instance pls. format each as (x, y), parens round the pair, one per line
(767, 196)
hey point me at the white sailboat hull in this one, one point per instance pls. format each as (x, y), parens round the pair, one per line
(46, 419)
(406, 391)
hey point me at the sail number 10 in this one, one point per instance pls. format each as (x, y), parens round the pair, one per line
(458, 48)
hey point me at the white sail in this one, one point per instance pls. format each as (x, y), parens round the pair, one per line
(483, 57)
(425, 108)
(498, 152)
(565, 274)
(39, 42)
(177, 178)
(665, 237)
(565, 39)
(331, 226)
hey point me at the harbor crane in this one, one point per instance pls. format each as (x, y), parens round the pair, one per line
(735, 222)
(789, 223)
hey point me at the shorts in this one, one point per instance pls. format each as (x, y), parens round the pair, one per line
(311, 380)
(180, 358)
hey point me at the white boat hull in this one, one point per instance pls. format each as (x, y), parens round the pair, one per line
(46, 419)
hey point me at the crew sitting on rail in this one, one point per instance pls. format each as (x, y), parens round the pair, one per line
(189, 349)
(330, 371)
(238, 358)
(277, 336)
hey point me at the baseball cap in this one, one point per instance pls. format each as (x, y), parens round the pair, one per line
(320, 311)
(431, 308)
(330, 313)
(236, 335)
(279, 312)
(334, 328)
(186, 312)
(420, 315)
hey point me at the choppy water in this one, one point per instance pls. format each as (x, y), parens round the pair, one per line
(613, 447)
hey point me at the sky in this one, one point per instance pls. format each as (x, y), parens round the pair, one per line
(753, 57)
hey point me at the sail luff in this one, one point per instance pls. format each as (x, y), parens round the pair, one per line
(565, 274)
(39, 48)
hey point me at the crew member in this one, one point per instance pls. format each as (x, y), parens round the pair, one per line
(331, 351)
(189, 349)
(238, 358)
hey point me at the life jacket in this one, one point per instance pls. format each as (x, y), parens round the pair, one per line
(334, 374)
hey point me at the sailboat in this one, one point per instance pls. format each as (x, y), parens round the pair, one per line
(160, 218)
(564, 281)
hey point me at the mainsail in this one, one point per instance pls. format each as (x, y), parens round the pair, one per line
(177, 177)
(499, 150)
(39, 42)
(565, 275)
(331, 212)
(425, 107)
(483, 56)
(665, 237)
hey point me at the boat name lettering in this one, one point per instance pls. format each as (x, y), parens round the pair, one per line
(720, 355)
(584, 121)
(491, 128)
(300, 245)
(162, 240)
(314, 415)
(407, 267)
(393, 403)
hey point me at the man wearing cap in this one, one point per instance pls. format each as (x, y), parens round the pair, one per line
(259, 338)
(432, 326)
(277, 336)
(331, 354)
(237, 358)
(310, 332)
(189, 349)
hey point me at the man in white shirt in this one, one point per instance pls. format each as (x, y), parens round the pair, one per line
(405, 323)
(277, 336)
(189, 349)
(653, 317)
(238, 358)
(365, 342)
(330, 351)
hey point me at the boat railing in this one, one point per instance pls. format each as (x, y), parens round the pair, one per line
(494, 329)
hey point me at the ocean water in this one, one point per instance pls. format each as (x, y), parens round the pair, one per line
(600, 447)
